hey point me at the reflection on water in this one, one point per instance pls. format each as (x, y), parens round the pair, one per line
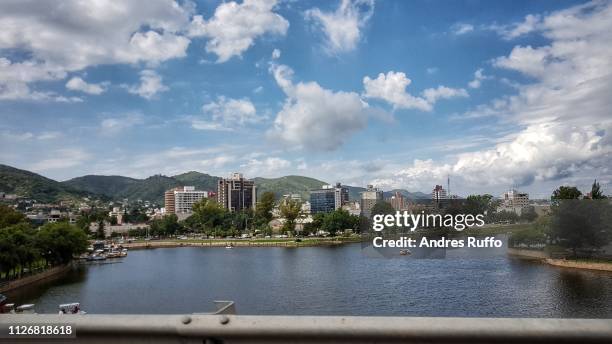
(325, 281)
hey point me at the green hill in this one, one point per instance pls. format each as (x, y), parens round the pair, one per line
(34, 186)
(110, 186)
(149, 189)
(288, 185)
(201, 181)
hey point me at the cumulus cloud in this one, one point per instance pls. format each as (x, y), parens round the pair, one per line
(313, 117)
(391, 87)
(276, 54)
(343, 27)
(226, 113)
(563, 113)
(78, 84)
(150, 85)
(81, 34)
(235, 27)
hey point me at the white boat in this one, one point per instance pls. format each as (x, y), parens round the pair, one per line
(71, 308)
(26, 309)
(229, 246)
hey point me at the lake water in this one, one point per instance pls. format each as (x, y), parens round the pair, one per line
(325, 281)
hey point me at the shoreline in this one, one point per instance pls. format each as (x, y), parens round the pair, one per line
(543, 257)
(238, 243)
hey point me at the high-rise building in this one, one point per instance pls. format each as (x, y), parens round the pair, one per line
(398, 202)
(369, 198)
(180, 200)
(439, 195)
(328, 198)
(236, 193)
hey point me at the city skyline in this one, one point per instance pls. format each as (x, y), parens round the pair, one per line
(394, 94)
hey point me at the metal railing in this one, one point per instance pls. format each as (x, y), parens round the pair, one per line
(224, 328)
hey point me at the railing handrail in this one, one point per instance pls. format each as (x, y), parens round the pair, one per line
(331, 328)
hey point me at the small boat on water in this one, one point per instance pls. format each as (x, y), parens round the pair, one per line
(96, 257)
(71, 308)
(230, 245)
(405, 252)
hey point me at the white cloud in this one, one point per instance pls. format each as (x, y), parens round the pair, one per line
(391, 87)
(432, 95)
(80, 34)
(208, 125)
(276, 54)
(541, 152)
(478, 78)
(462, 28)
(343, 27)
(432, 70)
(114, 125)
(232, 111)
(530, 24)
(78, 84)
(313, 117)
(150, 85)
(235, 27)
(61, 159)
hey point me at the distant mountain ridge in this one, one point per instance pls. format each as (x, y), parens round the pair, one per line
(149, 189)
(31, 185)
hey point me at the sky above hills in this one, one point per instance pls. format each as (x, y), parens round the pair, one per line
(401, 94)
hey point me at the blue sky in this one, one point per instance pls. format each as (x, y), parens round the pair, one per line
(396, 93)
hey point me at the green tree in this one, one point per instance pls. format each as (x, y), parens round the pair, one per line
(581, 224)
(207, 216)
(596, 192)
(9, 216)
(290, 209)
(566, 192)
(263, 211)
(339, 220)
(17, 248)
(59, 242)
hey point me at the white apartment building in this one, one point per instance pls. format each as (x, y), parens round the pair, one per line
(181, 200)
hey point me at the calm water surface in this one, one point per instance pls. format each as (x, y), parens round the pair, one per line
(325, 281)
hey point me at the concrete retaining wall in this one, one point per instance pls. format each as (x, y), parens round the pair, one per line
(49, 273)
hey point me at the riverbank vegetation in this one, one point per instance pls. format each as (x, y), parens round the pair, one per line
(24, 248)
(576, 228)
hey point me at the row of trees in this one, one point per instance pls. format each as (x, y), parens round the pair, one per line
(210, 218)
(22, 246)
